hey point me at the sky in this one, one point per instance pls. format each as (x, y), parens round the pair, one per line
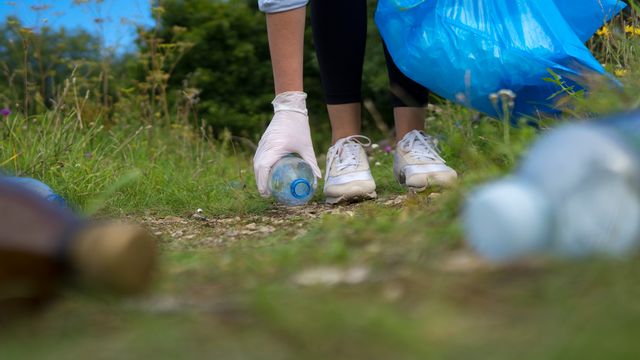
(118, 15)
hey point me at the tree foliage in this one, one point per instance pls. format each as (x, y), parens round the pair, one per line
(230, 63)
(204, 60)
(41, 60)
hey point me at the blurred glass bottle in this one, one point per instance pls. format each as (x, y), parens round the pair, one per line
(43, 190)
(292, 181)
(42, 245)
(576, 193)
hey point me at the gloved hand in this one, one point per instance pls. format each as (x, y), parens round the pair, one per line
(287, 133)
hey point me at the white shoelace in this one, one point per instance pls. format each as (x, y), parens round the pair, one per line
(347, 152)
(421, 146)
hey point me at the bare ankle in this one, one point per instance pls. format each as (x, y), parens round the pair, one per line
(408, 119)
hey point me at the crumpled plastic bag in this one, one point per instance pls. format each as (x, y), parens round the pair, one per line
(467, 50)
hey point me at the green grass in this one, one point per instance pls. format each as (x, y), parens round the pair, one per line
(126, 169)
(120, 169)
(239, 301)
(238, 298)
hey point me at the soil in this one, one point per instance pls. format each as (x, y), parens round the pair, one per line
(199, 231)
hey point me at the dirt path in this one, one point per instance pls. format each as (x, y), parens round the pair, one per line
(200, 231)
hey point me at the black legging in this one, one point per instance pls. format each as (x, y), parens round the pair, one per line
(339, 36)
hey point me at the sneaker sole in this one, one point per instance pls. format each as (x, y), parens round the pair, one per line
(346, 199)
(351, 192)
(432, 183)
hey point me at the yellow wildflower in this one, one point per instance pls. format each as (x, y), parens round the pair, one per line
(620, 72)
(632, 30)
(603, 31)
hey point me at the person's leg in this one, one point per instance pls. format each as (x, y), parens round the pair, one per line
(286, 44)
(345, 120)
(417, 164)
(408, 119)
(408, 98)
(339, 34)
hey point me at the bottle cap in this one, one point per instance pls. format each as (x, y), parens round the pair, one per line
(300, 188)
(506, 220)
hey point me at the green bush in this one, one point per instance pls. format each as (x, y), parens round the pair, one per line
(230, 64)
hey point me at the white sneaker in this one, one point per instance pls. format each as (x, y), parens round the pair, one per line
(417, 164)
(348, 177)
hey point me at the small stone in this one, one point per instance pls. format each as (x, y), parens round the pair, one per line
(198, 216)
(396, 201)
(178, 233)
(392, 293)
(356, 275)
(464, 262)
(266, 229)
(163, 304)
(340, 211)
(373, 248)
(330, 276)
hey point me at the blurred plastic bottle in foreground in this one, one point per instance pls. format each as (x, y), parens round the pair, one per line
(37, 187)
(42, 246)
(577, 193)
(292, 181)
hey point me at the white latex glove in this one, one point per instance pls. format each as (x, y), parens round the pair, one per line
(288, 133)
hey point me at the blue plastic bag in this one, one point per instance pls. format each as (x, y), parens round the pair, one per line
(587, 16)
(466, 50)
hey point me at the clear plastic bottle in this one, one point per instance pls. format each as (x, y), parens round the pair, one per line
(291, 181)
(577, 193)
(37, 187)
